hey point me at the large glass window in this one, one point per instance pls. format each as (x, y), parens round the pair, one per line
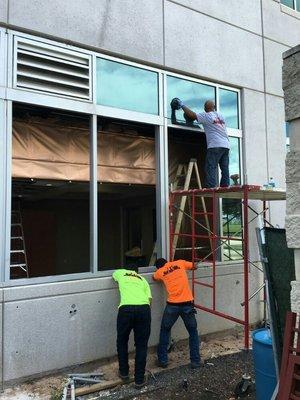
(126, 194)
(228, 101)
(288, 3)
(126, 87)
(193, 94)
(294, 4)
(50, 220)
(231, 209)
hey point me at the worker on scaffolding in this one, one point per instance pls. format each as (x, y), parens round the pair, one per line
(180, 303)
(134, 314)
(217, 142)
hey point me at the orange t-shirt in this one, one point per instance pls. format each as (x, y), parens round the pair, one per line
(174, 276)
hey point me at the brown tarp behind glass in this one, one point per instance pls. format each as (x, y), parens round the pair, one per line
(51, 150)
(45, 150)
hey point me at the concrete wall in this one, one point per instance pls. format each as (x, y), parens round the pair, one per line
(68, 323)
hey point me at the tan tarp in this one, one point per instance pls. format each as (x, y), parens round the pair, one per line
(43, 150)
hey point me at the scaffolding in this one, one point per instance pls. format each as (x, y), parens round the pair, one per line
(193, 232)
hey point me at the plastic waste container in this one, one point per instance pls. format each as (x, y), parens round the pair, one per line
(264, 365)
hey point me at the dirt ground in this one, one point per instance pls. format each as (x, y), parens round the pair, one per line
(224, 367)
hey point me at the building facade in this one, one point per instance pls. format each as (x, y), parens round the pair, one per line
(89, 150)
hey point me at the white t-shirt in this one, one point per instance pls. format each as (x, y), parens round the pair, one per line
(214, 128)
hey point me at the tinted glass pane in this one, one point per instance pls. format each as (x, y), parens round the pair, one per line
(298, 5)
(234, 157)
(229, 107)
(127, 87)
(232, 217)
(192, 94)
(287, 129)
(289, 3)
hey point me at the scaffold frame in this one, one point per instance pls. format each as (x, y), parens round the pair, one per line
(243, 193)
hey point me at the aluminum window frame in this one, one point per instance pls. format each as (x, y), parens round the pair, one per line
(11, 94)
(291, 8)
(231, 131)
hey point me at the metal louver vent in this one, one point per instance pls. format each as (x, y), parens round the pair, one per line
(51, 69)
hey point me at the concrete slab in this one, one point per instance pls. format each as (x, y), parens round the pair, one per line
(273, 65)
(3, 10)
(131, 28)
(206, 47)
(280, 26)
(255, 137)
(246, 15)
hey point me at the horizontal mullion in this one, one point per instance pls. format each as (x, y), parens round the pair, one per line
(46, 88)
(53, 52)
(64, 82)
(56, 59)
(48, 67)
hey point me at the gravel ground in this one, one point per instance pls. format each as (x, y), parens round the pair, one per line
(215, 381)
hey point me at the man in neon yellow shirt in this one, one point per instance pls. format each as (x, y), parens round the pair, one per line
(134, 313)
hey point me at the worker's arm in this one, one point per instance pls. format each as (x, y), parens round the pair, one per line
(148, 290)
(191, 114)
(191, 266)
(156, 276)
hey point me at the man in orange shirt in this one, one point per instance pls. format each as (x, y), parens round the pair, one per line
(180, 303)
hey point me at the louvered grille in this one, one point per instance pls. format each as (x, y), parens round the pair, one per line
(51, 69)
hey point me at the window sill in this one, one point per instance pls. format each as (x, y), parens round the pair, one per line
(290, 11)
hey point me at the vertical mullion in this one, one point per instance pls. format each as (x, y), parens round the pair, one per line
(93, 196)
(3, 186)
(162, 195)
(7, 159)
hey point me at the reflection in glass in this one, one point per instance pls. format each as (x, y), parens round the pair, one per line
(126, 87)
(229, 107)
(234, 158)
(232, 210)
(192, 94)
(298, 5)
(288, 3)
(50, 219)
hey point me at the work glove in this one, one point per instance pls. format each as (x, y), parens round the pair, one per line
(180, 103)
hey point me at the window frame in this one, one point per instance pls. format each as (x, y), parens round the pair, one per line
(292, 8)
(10, 95)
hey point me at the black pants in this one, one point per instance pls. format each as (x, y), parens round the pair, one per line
(137, 318)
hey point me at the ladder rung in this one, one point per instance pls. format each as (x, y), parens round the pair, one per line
(203, 213)
(18, 265)
(16, 224)
(294, 397)
(17, 251)
(16, 237)
(296, 376)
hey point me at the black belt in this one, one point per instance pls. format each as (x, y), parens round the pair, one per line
(184, 303)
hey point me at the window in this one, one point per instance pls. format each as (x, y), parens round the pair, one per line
(228, 101)
(294, 4)
(232, 210)
(191, 93)
(287, 135)
(126, 87)
(126, 194)
(50, 219)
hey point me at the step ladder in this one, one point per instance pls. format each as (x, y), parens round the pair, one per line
(18, 257)
(186, 172)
